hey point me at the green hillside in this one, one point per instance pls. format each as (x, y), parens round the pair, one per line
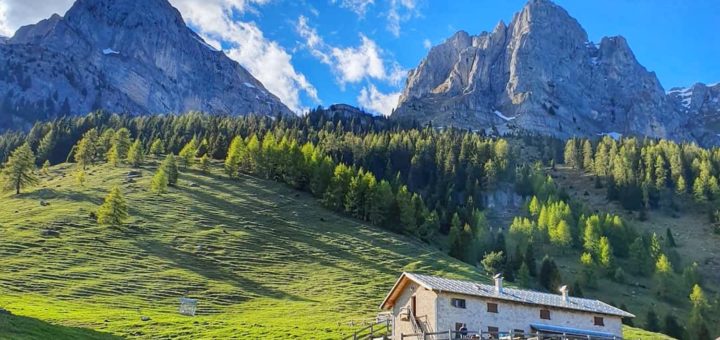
(264, 260)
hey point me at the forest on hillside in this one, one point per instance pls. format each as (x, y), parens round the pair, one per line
(430, 184)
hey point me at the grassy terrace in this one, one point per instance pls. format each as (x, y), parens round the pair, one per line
(263, 260)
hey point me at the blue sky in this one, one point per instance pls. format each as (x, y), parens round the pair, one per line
(322, 52)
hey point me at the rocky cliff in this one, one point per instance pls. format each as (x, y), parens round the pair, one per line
(123, 56)
(541, 73)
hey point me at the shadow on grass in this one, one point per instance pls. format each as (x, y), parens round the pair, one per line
(212, 270)
(23, 327)
(52, 194)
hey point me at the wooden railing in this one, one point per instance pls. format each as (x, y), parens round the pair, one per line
(379, 329)
(484, 335)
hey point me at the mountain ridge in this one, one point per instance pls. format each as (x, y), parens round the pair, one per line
(541, 73)
(122, 56)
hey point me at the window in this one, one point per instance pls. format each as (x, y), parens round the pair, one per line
(518, 332)
(494, 332)
(492, 307)
(458, 303)
(545, 314)
(599, 321)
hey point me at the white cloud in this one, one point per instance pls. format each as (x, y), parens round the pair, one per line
(427, 44)
(399, 12)
(375, 101)
(16, 13)
(351, 64)
(358, 6)
(264, 58)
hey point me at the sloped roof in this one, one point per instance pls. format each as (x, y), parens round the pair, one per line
(509, 294)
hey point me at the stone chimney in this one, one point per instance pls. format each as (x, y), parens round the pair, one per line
(498, 283)
(564, 291)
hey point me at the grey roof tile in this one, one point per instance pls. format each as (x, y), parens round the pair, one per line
(516, 295)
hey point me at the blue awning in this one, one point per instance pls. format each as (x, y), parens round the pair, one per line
(571, 331)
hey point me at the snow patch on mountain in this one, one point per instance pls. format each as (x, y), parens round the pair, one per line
(109, 51)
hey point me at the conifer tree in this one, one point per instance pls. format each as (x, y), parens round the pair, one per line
(47, 145)
(169, 166)
(493, 262)
(157, 148)
(334, 197)
(121, 142)
(587, 156)
(529, 260)
(19, 171)
(407, 209)
(664, 283)
(205, 163)
(234, 157)
(549, 274)
(381, 200)
(670, 239)
(588, 277)
(114, 211)
(80, 177)
(672, 328)
(651, 321)
(534, 206)
(697, 328)
(45, 170)
(159, 182)
(456, 241)
(113, 156)
(86, 149)
(105, 142)
(188, 152)
(523, 275)
(571, 154)
(605, 256)
(136, 155)
(640, 257)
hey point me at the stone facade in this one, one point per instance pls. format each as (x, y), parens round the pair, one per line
(435, 313)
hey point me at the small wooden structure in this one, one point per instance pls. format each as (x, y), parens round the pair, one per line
(188, 306)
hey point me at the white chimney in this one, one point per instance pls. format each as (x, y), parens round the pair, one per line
(498, 283)
(564, 291)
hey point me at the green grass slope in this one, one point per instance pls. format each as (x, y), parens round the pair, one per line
(264, 261)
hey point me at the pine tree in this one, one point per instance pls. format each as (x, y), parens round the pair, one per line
(549, 274)
(205, 164)
(640, 257)
(457, 249)
(493, 262)
(113, 156)
(524, 275)
(136, 155)
(571, 154)
(121, 141)
(529, 260)
(587, 155)
(105, 142)
(605, 254)
(408, 218)
(672, 328)
(80, 177)
(114, 211)
(169, 166)
(381, 200)
(86, 149)
(651, 321)
(19, 170)
(234, 158)
(159, 182)
(188, 152)
(47, 145)
(588, 277)
(157, 148)
(670, 239)
(45, 170)
(491, 174)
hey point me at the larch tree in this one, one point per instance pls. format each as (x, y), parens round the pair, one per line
(136, 154)
(571, 154)
(159, 182)
(122, 142)
(170, 167)
(188, 152)
(587, 153)
(19, 171)
(114, 210)
(157, 148)
(86, 149)
(234, 157)
(204, 163)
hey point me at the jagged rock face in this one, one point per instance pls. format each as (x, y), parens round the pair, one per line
(700, 103)
(122, 56)
(539, 73)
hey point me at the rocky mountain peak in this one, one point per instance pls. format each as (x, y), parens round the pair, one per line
(540, 73)
(122, 56)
